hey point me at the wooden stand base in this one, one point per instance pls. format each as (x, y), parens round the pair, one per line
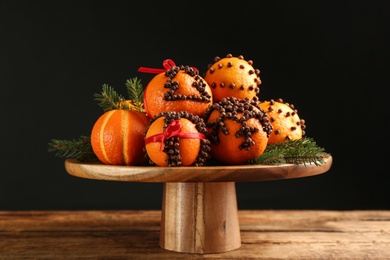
(199, 211)
(200, 217)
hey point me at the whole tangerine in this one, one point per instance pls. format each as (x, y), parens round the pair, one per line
(237, 129)
(233, 77)
(117, 137)
(177, 139)
(180, 88)
(285, 121)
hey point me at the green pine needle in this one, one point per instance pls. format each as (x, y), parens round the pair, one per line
(302, 151)
(135, 89)
(79, 149)
(135, 92)
(108, 98)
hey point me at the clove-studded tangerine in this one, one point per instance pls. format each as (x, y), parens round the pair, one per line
(284, 118)
(233, 77)
(178, 88)
(237, 129)
(177, 139)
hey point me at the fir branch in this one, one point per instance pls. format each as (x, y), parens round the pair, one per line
(79, 149)
(108, 98)
(302, 151)
(135, 93)
(135, 89)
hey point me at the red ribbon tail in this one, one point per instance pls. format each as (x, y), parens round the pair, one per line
(151, 70)
(168, 63)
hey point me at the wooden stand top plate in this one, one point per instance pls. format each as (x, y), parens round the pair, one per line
(232, 173)
(199, 211)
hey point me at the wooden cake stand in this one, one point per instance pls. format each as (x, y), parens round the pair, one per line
(199, 207)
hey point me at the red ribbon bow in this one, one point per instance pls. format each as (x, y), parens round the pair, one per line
(173, 129)
(168, 63)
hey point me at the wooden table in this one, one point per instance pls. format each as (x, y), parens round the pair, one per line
(276, 234)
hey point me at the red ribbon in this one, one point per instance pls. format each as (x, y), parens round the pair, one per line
(173, 129)
(168, 63)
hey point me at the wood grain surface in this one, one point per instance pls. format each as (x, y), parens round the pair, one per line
(266, 234)
(200, 217)
(234, 173)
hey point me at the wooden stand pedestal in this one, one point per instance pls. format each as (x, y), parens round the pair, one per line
(199, 211)
(200, 217)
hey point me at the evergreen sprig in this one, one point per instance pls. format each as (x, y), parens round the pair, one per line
(302, 151)
(108, 98)
(79, 149)
(135, 94)
(135, 90)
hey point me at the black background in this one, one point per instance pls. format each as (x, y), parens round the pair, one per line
(329, 58)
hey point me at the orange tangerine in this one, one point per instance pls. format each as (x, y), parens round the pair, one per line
(233, 77)
(237, 129)
(117, 137)
(177, 89)
(284, 118)
(177, 139)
